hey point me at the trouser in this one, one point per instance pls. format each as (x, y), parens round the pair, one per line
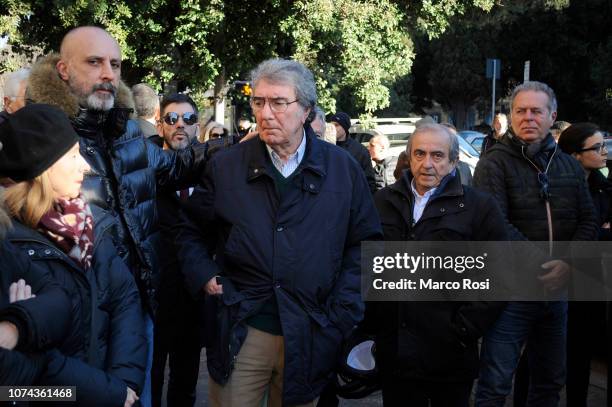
(184, 364)
(258, 368)
(543, 325)
(418, 393)
(145, 395)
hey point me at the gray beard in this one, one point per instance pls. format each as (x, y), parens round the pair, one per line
(94, 102)
(179, 145)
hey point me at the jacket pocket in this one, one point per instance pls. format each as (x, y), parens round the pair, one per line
(325, 341)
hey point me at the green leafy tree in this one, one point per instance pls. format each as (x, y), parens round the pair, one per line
(351, 44)
(357, 48)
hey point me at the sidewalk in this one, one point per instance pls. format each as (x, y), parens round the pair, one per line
(597, 389)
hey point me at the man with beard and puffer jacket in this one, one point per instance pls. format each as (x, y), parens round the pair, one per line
(126, 169)
(428, 351)
(543, 196)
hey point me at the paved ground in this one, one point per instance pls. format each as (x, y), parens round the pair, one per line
(597, 391)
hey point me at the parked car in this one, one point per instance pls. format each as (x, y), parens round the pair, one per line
(474, 138)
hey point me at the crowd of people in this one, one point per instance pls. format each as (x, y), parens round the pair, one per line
(132, 236)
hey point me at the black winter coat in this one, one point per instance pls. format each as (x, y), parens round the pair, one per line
(179, 315)
(106, 348)
(506, 173)
(361, 154)
(434, 341)
(42, 322)
(126, 173)
(306, 252)
(601, 193)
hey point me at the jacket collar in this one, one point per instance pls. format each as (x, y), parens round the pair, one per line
(597, 182)
(449, 186)
(259, 162)
(46, 86)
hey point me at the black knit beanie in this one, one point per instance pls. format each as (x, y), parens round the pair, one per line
(32, 140)
(343, 119)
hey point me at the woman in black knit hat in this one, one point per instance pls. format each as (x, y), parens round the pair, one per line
(104, 353)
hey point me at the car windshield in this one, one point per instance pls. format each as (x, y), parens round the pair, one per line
(467, 148)
(398, 136)
(477, 144)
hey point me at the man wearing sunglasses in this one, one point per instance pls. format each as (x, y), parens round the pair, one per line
(178, 125)
(177, 339)
(288, 212)
(543, 197)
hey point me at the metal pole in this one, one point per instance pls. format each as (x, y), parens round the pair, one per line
(493, 87)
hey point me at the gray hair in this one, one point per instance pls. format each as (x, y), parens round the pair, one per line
(145, 100)
(289, 72)
(453, 153)
(535, 86)
(13, 80)
(319, 114)
(382, 137)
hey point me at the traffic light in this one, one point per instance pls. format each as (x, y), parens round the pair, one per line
(243, 87)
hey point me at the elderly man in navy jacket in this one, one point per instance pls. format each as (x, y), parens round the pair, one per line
(289, 212)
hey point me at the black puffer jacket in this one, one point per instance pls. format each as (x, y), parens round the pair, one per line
(361, 154)
(126, 170)
(37, 330)
(106, 348)
(601, 192)
(507, 174)
(434, 341)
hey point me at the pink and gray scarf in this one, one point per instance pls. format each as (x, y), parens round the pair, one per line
(70, 225)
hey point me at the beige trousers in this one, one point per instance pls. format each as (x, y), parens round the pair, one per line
(258, 367)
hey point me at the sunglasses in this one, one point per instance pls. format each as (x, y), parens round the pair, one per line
(189, 118)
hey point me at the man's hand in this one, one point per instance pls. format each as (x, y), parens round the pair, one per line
(557, 276)
(212, 288)
(20, 291)
(131, 398)
(9, 335)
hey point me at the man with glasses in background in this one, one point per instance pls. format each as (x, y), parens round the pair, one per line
(543, 197)
(288, 213)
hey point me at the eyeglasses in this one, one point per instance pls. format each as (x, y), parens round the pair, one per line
(596, 147)
(189, 118)
(277, 105)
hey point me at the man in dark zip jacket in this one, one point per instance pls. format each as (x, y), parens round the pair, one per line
(428, 351)
(543, 197)
(342, 121)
